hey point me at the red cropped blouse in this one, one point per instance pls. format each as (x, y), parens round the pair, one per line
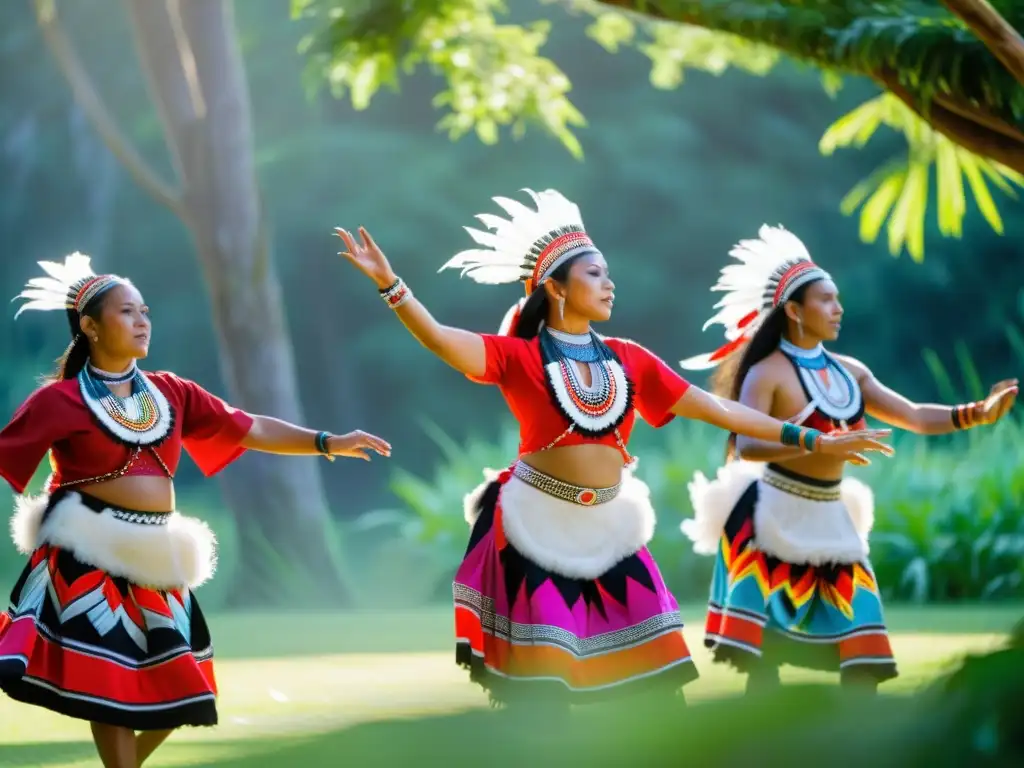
(55, 418)
(515, 366)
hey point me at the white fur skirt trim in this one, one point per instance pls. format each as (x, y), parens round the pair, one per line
(792, 528)
(572, 540)
(178, 554)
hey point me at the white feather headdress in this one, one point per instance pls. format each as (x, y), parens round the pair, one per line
(70, 285)
(769, 271)
(527, 246)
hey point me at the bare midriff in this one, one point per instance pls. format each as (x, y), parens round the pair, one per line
(588, 466)
(141, 493)
(815, 466)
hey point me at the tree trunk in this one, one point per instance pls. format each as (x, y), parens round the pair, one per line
(190, 55)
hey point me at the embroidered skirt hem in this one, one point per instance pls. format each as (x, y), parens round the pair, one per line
(83, 643)
(524, 630)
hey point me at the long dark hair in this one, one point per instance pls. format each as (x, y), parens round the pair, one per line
(728, 378)
(535, 310)
(73, 360)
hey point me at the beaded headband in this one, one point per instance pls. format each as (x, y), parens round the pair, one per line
(771, 269)
(71, 285)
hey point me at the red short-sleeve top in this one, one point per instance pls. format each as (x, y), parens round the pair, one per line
(55, 418)
(515, 366)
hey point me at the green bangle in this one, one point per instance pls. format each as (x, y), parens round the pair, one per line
(810, 439)
(321, 443)
(790, 434)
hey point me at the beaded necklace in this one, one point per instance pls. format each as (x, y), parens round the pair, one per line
(594, 410)
(827, 384)
(144, 418)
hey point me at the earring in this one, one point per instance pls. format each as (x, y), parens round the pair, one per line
(799, 328)
(95, 339)
(561, 308)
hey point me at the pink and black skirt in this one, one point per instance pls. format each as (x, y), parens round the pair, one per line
(83, 637)
(561, 599)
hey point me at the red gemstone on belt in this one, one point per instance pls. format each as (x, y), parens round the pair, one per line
(586, 496)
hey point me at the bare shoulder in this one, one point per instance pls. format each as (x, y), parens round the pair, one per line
(853, 365)
(772, 370)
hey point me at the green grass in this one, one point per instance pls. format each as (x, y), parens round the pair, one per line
(302, 689)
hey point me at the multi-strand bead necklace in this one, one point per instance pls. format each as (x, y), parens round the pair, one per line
(142, 418)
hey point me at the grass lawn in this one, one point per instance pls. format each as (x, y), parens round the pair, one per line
(289, 681)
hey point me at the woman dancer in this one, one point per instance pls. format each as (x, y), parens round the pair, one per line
(792, 581)
(103, 625)
(558, 593)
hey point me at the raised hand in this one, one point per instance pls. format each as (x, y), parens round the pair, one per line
(999, 401)
(356, 444)
(367, 257)
(852, 445)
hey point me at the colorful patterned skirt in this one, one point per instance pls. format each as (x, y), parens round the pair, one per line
(562, 601)
(791, 558)
(89, 642)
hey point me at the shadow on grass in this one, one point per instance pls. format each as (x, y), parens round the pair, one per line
(971, 717)
(799, 725)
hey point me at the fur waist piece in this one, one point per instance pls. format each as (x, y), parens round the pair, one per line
(168, 551)
(797, 524)
(567, 538)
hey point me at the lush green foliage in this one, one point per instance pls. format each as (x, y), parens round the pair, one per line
(899, 189)
(496, 76)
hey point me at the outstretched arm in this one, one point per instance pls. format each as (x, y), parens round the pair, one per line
(893, 408)
(745, 421)
(462, 350)
(271, 435)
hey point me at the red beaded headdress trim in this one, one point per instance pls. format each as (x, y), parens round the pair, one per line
(91, 288)
(554, 252)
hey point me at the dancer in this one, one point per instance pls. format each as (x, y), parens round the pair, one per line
(103, 624)
(558, 598)
(792, 580)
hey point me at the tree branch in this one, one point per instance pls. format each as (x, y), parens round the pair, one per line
(99, 116)
(979, 115)
(969, 134)
(998, 35)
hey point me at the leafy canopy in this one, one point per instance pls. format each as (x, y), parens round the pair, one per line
(496, 77)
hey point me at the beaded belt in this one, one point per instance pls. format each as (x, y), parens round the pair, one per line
(141, 518)
(804, 487)
(552, 486)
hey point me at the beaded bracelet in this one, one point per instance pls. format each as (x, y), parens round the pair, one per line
(396, 294)
(963, 415)
(799, 438)
(321, 445)
(810, 439)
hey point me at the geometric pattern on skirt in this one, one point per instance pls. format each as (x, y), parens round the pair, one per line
(826, 617)
(82, 643)
(523, 631)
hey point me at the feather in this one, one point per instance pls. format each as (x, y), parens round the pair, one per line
(52, 292)
(509, 250)
(755, 272)
(698, 362)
